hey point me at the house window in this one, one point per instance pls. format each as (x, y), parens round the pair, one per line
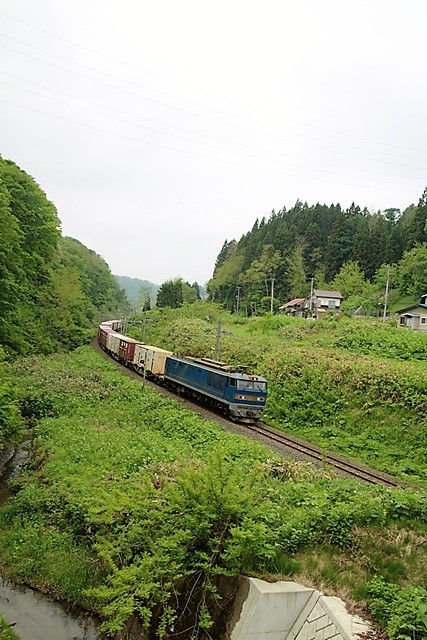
(424, 320)
(402, 320)
(331, 304)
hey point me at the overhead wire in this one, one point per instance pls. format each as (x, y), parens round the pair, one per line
(199, 90)
(97, 113)
(173, 106)
(163, 146)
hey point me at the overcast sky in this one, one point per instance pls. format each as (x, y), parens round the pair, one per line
(161, 128)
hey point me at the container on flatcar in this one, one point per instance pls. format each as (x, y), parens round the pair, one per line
(150, 359)
(115, 325)
(122, 347)
(103, 331)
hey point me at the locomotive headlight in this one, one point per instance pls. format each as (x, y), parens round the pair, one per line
(238, 396)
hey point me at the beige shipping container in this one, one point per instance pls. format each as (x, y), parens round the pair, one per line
(152, 359)
(113, 342)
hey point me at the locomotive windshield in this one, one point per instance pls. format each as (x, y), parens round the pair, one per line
(254, 385)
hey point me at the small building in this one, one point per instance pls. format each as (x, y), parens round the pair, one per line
(415, 316)
(294, 307)
(321, 301)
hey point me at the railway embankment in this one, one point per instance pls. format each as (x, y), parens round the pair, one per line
(133, 507)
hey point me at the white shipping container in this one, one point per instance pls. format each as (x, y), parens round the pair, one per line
(152, 359)
(113, 342)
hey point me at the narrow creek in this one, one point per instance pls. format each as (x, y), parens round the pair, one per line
(32, 615)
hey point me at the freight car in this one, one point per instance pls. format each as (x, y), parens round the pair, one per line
(237, 394)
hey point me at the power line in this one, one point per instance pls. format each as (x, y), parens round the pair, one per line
(197, 89)
(164, 124)
(251, 156)
(238, 117)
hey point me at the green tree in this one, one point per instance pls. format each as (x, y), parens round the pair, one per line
(189, 293)
(295, 273)
(264, 268)
(358, 293)
(412, 271)
(144, 298)
(170, 294)
(350, 280)
(27, 247)
(417, 232)
(222, 286)
(12, 275)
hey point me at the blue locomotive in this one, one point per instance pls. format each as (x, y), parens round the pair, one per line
(239, 395)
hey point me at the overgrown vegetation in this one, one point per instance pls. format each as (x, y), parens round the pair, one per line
(11, 425)
(52, 288)
(135, 507)
(322, 384)
(6, 632)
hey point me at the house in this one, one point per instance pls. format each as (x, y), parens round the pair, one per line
(415, 316)
(294, 307)
(321, 301)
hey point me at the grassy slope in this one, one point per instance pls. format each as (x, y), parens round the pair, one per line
(354, 386)
(132, 498)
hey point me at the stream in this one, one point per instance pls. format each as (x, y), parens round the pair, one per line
(32, 615)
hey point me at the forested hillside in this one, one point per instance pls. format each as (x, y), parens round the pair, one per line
(52, 289)
(139, 292)
(293, 246)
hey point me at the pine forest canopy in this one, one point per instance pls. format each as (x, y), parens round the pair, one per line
(53, 289)
(316, 242)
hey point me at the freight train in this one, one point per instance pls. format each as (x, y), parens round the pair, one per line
(237, 394)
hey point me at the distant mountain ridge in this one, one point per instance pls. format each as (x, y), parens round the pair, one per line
(136, 288)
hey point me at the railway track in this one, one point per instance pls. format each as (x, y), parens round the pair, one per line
(283, 443)
(319, 456)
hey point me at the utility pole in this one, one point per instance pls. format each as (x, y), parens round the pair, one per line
(386, 292)
(272, 294)
(238, 298)
(144, 320)
(311, 294)
(218, 340)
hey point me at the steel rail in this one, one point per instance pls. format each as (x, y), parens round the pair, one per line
(350, 467)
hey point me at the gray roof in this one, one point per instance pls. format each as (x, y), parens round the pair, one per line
(321, 293)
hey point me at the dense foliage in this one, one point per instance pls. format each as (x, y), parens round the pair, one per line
(11, 427)
(134, 507)
(174, 293)
(52, 288)
(279, 256)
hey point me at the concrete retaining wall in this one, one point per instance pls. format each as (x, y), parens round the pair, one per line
(291, 611)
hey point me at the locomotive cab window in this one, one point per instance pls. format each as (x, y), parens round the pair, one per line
(254, 385)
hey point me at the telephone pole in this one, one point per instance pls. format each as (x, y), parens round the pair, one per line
(218, 340)
(386, 292)
(144, 320)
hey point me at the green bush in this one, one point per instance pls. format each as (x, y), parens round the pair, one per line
(11, 426)
(6, 632)
(402, 610)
